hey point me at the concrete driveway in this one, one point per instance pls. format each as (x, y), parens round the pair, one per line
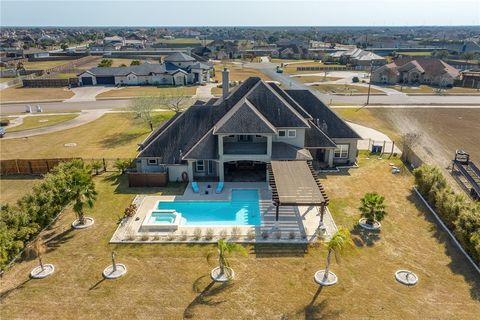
(87, 93)
(85, 117)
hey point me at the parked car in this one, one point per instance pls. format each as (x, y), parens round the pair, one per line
(2, 132)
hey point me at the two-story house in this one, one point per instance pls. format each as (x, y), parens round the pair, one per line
(233, 138)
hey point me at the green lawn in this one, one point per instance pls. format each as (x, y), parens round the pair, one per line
(137, 91)
(33, 122)
(172, 281)
(112, 136)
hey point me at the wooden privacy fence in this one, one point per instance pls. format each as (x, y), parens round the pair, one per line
(29, 166)
(43, 166)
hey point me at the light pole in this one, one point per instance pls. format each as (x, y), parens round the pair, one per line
(369, 83)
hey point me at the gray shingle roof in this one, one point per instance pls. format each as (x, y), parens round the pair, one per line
(179, 57)
(285, 151)
(244, 119)
(336, 127)
(191, 134)
(277, 111)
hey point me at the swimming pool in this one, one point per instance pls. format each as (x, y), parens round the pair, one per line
(242, 209)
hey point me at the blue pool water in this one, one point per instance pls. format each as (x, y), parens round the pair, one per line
(243, 209)
(162, 217)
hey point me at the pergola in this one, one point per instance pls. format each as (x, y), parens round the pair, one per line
(295, 183)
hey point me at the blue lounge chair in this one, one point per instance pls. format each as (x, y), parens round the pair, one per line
(195, 187)
(219, 187)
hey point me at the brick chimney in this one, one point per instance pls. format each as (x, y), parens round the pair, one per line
(225, 82)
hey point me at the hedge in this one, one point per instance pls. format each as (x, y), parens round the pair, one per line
(20, 223)
(458, 213)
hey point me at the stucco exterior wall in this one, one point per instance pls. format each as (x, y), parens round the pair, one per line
(298, 140)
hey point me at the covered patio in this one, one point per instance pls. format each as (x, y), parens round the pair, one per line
(294, 184)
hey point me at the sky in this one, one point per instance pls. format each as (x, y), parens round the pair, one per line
(239, 13)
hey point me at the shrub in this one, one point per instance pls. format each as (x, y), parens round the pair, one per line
(264, 234)
(22, 222)
(292, 235)
(251, 234)
(122, 165)
(209, 234)
(130, 210)
(278, 234)
(183, 235)
(197, 233)
(171, 237)
(235, 233)
(96, 165)
(460, 215)
(145, 237)
(223, 234)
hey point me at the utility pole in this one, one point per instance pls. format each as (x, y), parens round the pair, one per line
(369, 83)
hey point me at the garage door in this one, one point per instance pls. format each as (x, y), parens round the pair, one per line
(87, 81)
(105, 80)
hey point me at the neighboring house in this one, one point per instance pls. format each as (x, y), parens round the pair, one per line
(292, 51)
(358, 57)
(471, 78)
(416, 71)
(238, 134)
(178, 69)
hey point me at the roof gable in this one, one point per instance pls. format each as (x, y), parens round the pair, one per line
(244, 118)
(274, 108)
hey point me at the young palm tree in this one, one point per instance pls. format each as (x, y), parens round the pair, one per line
(373, 208)
(37, 249)
(83, 192)
(337, 244)
(96, 165)
(224, 248)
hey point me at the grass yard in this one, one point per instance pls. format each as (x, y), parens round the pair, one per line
(111, 136)
(43, 65)
(139, 91)
(309, 79)
(33, 122)
(345, 89)
(237, 72)
(14, 187)
(34, 94)
(172, 281)
(416, 54)
(424, 89)
(368, 117)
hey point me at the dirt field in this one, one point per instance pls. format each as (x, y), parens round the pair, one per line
(443, 131)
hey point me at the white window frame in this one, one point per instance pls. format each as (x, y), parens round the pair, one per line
(152, 162)
(200, 164)
(342, 150)
(284, 133)
(294, 133)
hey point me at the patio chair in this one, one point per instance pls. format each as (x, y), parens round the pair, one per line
(219, 187)
(195, 187)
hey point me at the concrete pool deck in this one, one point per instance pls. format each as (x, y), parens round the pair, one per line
(296, 224)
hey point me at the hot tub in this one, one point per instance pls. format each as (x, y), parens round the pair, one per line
(161, 221)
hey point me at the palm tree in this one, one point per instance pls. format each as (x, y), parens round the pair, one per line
(372, 208)
(96, 165)
(83, 192)
(337, 244)
(224, 248)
